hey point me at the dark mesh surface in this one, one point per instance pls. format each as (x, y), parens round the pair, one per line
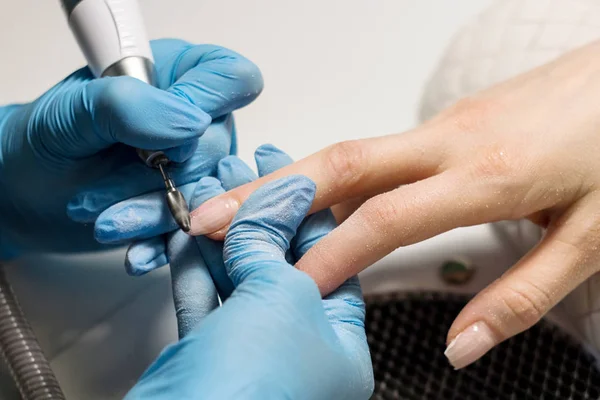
(407, 338)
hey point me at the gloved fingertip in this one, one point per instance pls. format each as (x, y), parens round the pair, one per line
(77, 213)
(145, 256)
(233, 172)
(206, 188)
(313, 228)
(229, 162)
(269, 159)
(82, 208)
(182, 153)
(133, 268)
(142, 217)
(103, 232)
(267, 149)
(118, 223)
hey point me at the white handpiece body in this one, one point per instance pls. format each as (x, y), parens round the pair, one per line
(112, 37)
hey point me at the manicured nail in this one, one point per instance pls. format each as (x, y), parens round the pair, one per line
(220, 234)
(470, 345)
(213, 215)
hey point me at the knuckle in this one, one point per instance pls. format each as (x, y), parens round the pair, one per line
(527, 303)
(382, 214)
(495, 163)
(496, 171)
(471, 113)
(471, 116)
(318, 255)
(582, 244)
(382, 210)
(344, 163)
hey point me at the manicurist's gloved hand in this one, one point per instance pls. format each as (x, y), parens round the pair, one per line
(274, 337)
(67, 157)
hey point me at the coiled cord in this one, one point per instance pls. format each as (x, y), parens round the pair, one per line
(21, 350)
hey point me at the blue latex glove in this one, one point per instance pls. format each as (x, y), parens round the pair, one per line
(65, 155)
(274, 337)
(183, 252)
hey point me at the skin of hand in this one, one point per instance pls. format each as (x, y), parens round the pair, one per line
(274, 337)
(68, 156)
(526, 148)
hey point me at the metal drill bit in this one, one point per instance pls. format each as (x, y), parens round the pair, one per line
(176, 201)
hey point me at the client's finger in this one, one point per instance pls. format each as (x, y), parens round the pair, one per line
(343, 210)
(565, 258)
(343, 171)
(404, 216)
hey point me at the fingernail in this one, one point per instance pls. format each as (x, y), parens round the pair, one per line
(220, 234)
(470, 345)
(213, 215)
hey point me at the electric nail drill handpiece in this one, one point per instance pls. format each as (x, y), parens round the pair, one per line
(112, 37)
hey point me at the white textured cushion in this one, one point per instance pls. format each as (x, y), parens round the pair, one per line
(510, 37)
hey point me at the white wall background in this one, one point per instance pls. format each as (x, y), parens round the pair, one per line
(334, 70)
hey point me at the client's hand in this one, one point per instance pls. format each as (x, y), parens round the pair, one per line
(274, 337)
(526, 148)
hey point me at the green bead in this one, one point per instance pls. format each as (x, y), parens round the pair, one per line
(457, 272)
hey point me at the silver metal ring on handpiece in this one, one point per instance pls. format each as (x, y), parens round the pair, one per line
(152, 158)
(135, 67)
